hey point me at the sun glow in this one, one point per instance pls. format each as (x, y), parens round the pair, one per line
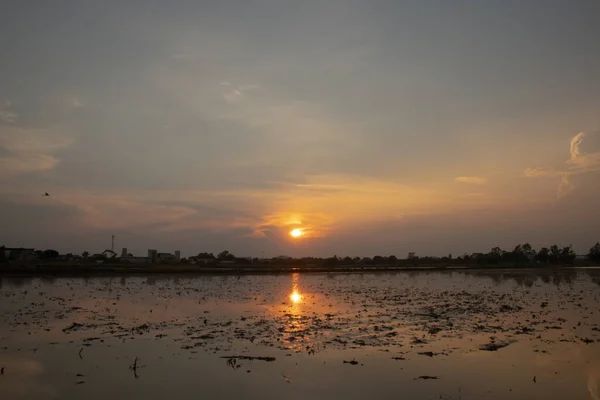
(296, 233)
(296, 297)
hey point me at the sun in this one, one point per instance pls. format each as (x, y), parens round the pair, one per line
(296, 233)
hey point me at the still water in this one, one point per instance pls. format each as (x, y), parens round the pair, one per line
(425, 335)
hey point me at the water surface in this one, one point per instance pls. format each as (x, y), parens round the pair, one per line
(421, 335)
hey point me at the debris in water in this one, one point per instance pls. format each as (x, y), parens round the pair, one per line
(426, 377)
(134, 367)
(494, 346)
(73, 327)
(268, 359)
(429, 353)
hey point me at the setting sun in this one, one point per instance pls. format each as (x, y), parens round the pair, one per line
(296, 233)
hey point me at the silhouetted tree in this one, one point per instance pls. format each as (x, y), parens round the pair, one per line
(204, 256)
(528, 251)
(392, 260)
(567, 255)
(331, 261)
(378, 260)
(225, 256)
(543, 256)
(594, 254)
(555, 254)
(522, 254)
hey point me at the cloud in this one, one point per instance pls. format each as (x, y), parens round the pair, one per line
(76, 102)
(565, 186)
(540, 172)
(6, 115)
(321, 205)
(29, 150)
(579, 163)
(475, 180)
(233, 94)
(576, 144)
(582, 162)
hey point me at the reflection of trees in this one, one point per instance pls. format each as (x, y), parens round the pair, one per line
(18, 282)
(565, 277)
(49, 280)
(527, 278)
(594, 276)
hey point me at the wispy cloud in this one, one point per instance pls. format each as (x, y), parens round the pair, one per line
(6, 114)
(233, 94)
(29, 150)
(76, 102)
(541, 172)
(475, 180)
(578, 163)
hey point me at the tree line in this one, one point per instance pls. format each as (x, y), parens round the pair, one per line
(522, 254)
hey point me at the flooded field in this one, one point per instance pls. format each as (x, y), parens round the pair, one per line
(423, 335)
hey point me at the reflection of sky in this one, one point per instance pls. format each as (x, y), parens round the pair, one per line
(21, 379)
(355, 302)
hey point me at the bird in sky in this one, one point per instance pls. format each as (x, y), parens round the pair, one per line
(46, 194)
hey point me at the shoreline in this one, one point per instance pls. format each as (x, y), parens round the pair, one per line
(182, 269)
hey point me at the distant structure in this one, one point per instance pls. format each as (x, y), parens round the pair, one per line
(18, 254)
(112, 245)
(131, 259)
(168, 258)
(152, 255)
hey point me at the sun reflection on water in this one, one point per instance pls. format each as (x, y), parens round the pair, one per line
(296, 327)
(295, 297)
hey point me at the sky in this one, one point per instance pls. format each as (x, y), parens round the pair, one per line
(376, 127)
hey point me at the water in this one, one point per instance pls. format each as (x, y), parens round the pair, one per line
(346, 336)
